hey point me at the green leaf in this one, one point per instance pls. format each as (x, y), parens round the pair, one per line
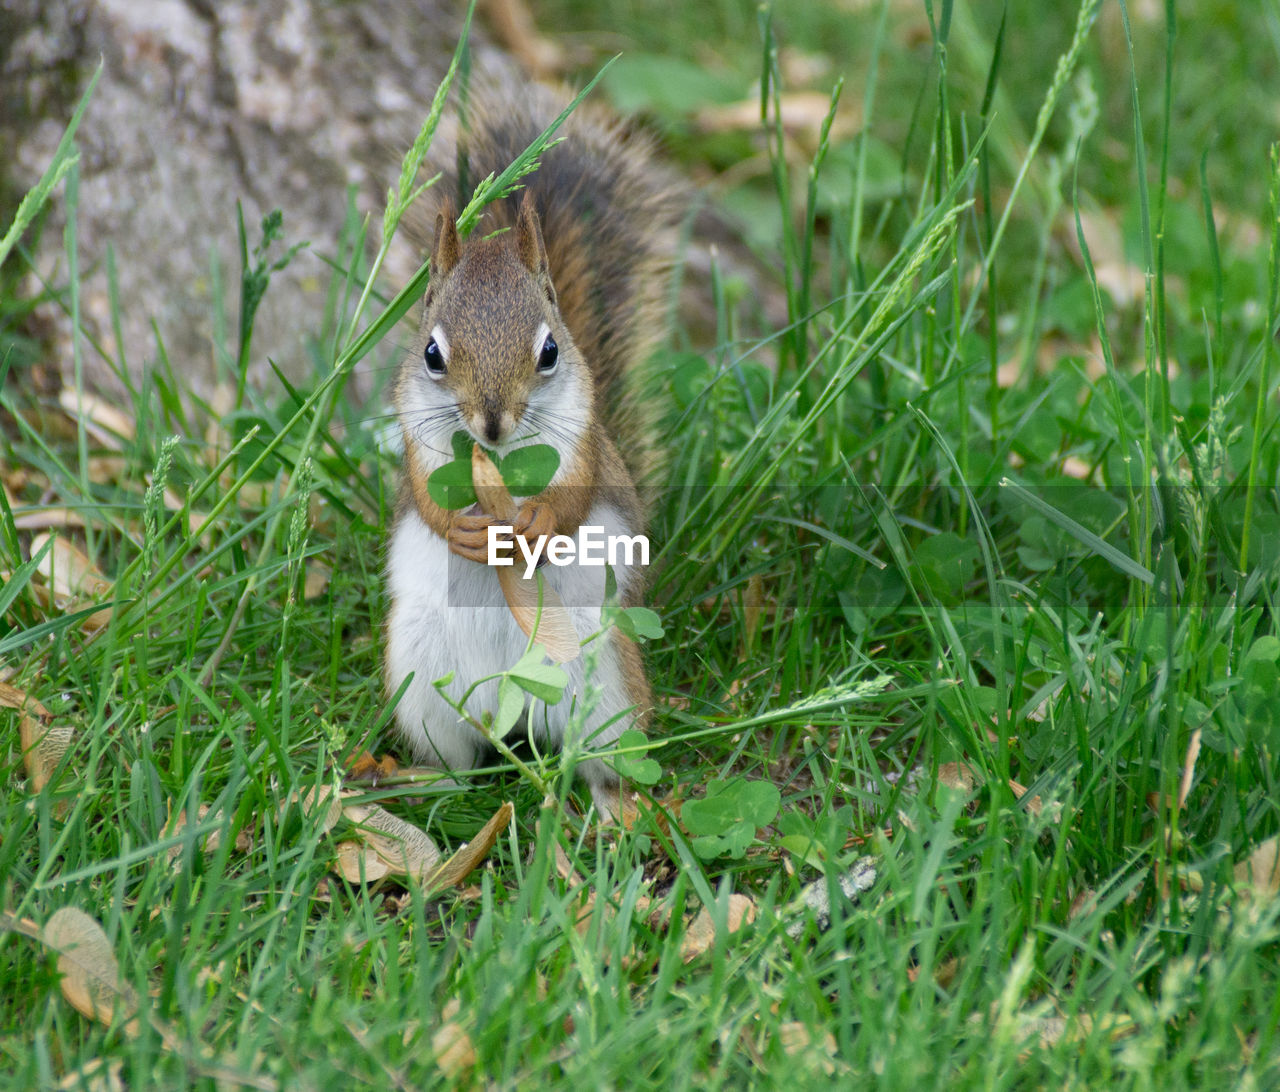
(947, 562)
(544, 681)
(462, 444)
(1261, 685)
(708, 846)
(962, 704)
(1096, 545)
(527, 471)
(1264, 649)
(648, 625)
(738, 840)
(638, 623)
(875, 594)
(817, 840)
(450, 485)
(635, 767)
(665, 85)
(726, 819)
(690, 376)
(510, 706)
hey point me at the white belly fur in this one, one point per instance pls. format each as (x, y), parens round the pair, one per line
(448, 615)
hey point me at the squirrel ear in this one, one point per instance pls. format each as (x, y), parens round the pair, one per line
(445, 251)
(529, 245)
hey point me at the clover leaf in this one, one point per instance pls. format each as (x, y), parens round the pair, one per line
(635, 766)
(526, 472)
(726, 819)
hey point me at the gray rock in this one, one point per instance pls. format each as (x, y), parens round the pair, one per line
(815, 897)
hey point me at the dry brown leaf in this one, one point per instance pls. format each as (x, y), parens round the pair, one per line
(1260, 871)
(451, 1043)
(218, 438)
(1035, 805)
(108, 468)
(701, 933)
(359, 863)
(402, 847)
(458, 867)
(803, 113)
(96, 1075)
(316, 581)
(1008, 373)
(177, 823)
(1085, 901)
(68, 570)
(658, 915)
(325, 801)
(40, 594)
(1075, 467)
(41, 519)
(1189, 768)
(564, 867)
(512, 22)
(96, 621)
(943, 974)
(384, 845)
(797, 1039)
(957, 775)
(43, 742)
(90, 975)
(13, 698)
(1120, 277)
(586, 909)
(553, 625)
(108, 425)
(73, 578)
(800, 69)
(491, 490)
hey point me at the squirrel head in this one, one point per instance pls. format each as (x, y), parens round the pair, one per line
(494, 356)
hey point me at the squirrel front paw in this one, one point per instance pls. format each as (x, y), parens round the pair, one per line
(470, 536)
(533, 521)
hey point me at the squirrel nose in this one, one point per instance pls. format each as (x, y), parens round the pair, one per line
(492, 422)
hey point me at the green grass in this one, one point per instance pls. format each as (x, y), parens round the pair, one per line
(852, 497)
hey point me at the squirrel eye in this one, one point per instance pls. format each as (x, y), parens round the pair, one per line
(435, 359)
(548, 356)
